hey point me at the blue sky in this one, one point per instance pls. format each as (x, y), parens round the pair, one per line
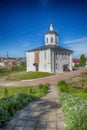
(23, 24)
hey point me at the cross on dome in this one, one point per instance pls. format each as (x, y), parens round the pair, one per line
(51, 27)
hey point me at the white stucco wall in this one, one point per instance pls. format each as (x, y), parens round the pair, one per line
(45, 61)
(49, 39)
(49, 61)
(71, 64)
(59, 59)
(30, 61)
(52, 62)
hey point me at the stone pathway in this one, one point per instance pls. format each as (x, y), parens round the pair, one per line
(43, 114)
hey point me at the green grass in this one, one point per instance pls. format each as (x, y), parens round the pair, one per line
(84, 74)
(79, 92)
(14, 90)
(27, 75)
(68, 88)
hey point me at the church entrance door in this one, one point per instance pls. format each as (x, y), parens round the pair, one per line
(36, 60)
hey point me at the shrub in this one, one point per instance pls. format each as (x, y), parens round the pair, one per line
(30, 90)
(4, 116)
(60, 83)
(44, 88)
(5, 92)
(40, 86)
(63, 86)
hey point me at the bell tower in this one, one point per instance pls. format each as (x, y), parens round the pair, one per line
(51, 37)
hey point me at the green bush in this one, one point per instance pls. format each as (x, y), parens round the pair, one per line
(63, 86)
(15, 69)
(60, 83)
(5, 92)
(44, 88)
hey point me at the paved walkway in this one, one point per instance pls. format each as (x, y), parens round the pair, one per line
(43, 114)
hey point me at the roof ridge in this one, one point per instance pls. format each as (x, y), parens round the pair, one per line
(45, 47)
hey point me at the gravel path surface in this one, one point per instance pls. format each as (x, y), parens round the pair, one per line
(50, 79)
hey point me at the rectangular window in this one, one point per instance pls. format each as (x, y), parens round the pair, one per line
(56, 65)
(45, 55)
(62, 56)
(47, 39)
(45, 66)
(65, 56)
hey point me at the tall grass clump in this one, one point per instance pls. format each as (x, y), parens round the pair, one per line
(5, 92)
(63, 86)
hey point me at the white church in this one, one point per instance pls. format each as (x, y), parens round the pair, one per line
(50, 57)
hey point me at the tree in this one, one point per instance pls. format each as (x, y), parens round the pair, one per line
(22, 65)
(82, 60)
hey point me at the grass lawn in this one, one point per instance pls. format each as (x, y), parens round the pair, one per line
(11, 91)
(76, 85)
(80, 82)
(82, 93)
(14, 90)
(68, 88)
(27, 75)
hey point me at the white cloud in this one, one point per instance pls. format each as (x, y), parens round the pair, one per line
(80, 40)
(79, 46)
(24, 45)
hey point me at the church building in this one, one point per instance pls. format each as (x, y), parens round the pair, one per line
(50, 57)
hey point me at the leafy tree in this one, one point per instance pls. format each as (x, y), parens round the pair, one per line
(22, 65)
(82, 60)
(76, 65)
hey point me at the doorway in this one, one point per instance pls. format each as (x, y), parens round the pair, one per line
(65, 67)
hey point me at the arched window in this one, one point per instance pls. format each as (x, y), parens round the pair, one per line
(47, 40)
(51, 39)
